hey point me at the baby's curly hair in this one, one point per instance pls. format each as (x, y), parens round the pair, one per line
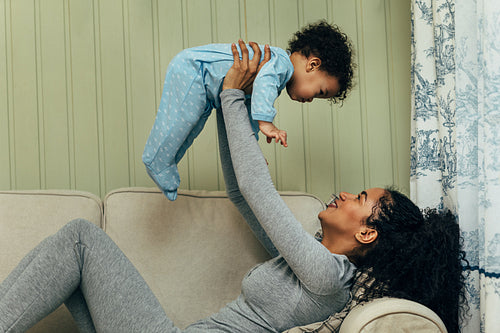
(333, 47)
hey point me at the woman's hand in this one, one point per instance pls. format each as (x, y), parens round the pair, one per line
(243, 72)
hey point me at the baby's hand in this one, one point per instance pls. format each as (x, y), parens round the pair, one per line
(271, 131)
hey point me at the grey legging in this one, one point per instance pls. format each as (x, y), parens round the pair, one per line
(69, 267)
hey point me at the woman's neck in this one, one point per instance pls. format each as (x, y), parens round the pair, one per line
(339, 245)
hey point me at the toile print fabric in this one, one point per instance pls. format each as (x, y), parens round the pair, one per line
(455, 142)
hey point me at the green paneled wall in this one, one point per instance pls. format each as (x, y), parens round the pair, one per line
(80, 81)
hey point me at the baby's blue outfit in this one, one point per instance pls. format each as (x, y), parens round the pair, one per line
(191, 90)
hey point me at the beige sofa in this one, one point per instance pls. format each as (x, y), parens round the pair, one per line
(192, 252)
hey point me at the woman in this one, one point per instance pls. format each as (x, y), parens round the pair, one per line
(304, 282)
(398, 250)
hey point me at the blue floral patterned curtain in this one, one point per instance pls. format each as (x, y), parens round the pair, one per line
(455, 144)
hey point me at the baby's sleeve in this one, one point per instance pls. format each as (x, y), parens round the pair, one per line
(268, 84)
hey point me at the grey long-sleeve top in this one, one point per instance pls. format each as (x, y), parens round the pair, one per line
(304, 282)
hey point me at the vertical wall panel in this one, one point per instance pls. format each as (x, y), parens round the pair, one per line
(39, 94)
(140, 80)
(377, 106)
(52, 95)
(85, 149)
(348, 143)
(185, 167)
(81, 82)
(5, 171)
(398, 37)
(114, 106)
(258, 30)
(228, 29)
(68, 97)
(291, 171)
(171, 34)
(318, 115)
(169, 23)
(203, 158)
(24, 95)
(259, 20)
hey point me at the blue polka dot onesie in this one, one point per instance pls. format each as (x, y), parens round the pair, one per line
(191, 91)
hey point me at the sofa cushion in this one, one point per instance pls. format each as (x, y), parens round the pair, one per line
(195, 251)
(26, 218)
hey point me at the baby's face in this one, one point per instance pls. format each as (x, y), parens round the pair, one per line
(309, 82)
(304, 87)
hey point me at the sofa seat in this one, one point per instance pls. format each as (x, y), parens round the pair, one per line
(195, 251)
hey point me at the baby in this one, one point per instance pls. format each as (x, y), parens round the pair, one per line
(317, 64)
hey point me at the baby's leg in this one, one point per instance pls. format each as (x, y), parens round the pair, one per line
(80, 256)
(182, 113)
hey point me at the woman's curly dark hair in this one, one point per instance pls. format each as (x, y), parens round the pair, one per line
(333, 47)
(418, 256)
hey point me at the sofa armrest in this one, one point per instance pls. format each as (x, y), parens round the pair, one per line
(392, 315)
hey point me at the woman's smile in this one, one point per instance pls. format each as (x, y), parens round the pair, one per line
(332, 202)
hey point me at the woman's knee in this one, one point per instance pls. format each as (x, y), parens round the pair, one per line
(80, 226)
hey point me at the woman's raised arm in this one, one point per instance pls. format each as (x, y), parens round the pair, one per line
(313, 264)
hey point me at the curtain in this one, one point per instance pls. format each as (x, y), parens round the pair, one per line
(455, 135)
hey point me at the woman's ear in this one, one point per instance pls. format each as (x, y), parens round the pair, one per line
(366, 235)
(313, 63)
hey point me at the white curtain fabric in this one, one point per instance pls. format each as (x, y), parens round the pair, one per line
(455, 143)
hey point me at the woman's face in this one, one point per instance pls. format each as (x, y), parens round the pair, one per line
(347, 214)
